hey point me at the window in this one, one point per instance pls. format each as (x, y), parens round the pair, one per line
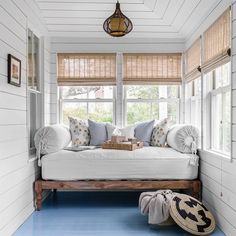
(87, 102)
(151, 102)
(35, 106)
(193, 103)
(218, 102)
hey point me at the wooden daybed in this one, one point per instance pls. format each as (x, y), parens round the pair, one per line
(194, 186)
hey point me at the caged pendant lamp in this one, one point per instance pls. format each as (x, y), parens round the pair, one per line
(117, 25)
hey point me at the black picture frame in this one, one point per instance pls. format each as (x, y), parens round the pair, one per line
(14, 70)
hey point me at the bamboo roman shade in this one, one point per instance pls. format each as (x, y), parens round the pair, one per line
(152, 68)
(193, 61)
(86, 69)
(216, 41)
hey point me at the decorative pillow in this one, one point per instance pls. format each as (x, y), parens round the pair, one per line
(128, 131)
(51, 139)
(159, 133)
(143, 132)
(98, 133)
(183, 138)
(191, 215)
(79, 132)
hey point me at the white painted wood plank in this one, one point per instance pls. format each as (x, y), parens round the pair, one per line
(11, 196)
(233, 80)
(16, 13)
(8, 88)
(100, 34)
(12, 117)
(228, 197)
(210, 158)
(229, 167)
(222, 223)
(234, 150)
(229, 181)
(16, 221)
(11, 132)
(98, 21)
(92, 7)
(7, 20)
(14, 178)
(12, 148)
(226, 211)
(10, 101)
(211, 171)
(97, 1)
(234, 115)
(9, 37)
(15, 208)
(234, 132)
(135, 48)
(233, 97)
(96, 14)
(14, 163)
(99, 28)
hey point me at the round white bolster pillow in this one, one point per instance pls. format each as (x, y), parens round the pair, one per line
(183, 138)
(51, 139)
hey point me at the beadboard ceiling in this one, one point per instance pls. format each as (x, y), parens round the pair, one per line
(151, 18)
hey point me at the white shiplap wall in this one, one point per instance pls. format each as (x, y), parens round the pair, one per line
(17, 173)
(219, 175)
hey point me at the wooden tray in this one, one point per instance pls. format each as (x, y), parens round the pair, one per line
(123, 146)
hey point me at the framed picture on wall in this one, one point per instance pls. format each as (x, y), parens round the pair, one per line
(14, 70)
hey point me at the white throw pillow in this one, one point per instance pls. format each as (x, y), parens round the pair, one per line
(159, 133)
(128, 131)
(79, 132)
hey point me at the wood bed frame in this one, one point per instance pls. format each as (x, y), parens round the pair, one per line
(194, 186)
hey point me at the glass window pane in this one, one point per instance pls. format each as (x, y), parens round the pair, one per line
(36, 64)
(84, 92)
(197, 87)
(226, 123)
(142, 92)
(172, 91)
(152, 92)
(75, 110)
(100, 92)
(217, 141)
(100, 111)
(30, 58)
(74, 92)
(222, 76)
(140, 111)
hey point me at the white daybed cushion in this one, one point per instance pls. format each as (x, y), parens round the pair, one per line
(51, 139)
(145, 163)
(183, 138)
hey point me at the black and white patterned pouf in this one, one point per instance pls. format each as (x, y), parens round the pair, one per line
(191, 215)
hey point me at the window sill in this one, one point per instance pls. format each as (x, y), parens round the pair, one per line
(214, 154)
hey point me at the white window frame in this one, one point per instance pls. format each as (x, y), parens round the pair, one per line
(191, 103)
(87, 100)
(209, 92)
(155, 100)
(214, 93)
(39, 116)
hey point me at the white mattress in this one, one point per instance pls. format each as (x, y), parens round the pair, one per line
(145, 163)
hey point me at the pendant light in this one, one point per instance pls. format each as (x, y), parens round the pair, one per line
(117, 25)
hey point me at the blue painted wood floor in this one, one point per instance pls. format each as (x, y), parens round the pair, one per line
(93, 214)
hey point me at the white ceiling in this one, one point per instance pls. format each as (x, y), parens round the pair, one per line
(151, 18)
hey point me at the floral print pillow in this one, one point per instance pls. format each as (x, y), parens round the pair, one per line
(79, 132)
(159, 133)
